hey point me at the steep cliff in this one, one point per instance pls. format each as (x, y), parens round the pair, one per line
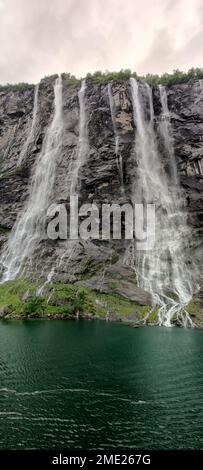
(97, 266)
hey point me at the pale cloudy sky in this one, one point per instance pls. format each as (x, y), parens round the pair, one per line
(41, 37)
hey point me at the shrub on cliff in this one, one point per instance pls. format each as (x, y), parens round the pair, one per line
(177, 76)
(34, 305)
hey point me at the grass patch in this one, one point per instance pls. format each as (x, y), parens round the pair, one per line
(195, 310)
(19, 298)
(153, 316)
(12, 293)
(117, 305)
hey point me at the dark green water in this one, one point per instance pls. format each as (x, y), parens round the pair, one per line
(100, 385)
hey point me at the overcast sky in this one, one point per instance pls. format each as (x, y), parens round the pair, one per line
(41, 37)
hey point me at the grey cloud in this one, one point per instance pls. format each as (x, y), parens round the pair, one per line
(46, 36)
(160, 57)
(40, 37)
(164, 56)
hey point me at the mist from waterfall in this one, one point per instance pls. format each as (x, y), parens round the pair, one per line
(163, 270)
(31, 133)
(119, 159)
(29, 228)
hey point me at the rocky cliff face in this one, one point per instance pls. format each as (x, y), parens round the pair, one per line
(96, 264)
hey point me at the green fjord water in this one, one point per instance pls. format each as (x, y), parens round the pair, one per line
(97, 385)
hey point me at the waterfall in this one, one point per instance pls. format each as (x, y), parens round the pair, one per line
(163, 270)
(72, 246)
(201, 85)
(150, 175)
(40, 290)
(29, 228)
(166, 134)
(83, 145)
(31, 134)
(116, 136)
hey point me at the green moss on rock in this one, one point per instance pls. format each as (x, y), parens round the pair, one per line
(89, 266)
(195, 310)
(12, 292)
(19, 298)
(153, 316)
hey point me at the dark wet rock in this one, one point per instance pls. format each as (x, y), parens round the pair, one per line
(99, 177)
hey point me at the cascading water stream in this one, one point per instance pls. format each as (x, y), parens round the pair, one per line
(83, 144)
(29, 228)
(116, 136)
(72, 246)
(41, 289)
(166, 134)
(31, 134)
(163, 270)
(201, 85)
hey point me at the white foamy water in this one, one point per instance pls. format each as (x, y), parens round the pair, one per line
(83, 143)
(163, 270)
(166, 134)
(28, 230)
(119, 159)
(201, 85)
(72, 247)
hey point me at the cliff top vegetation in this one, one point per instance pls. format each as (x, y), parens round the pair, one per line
(167, 79)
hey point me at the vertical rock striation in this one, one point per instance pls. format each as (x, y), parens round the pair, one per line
(106, 174)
